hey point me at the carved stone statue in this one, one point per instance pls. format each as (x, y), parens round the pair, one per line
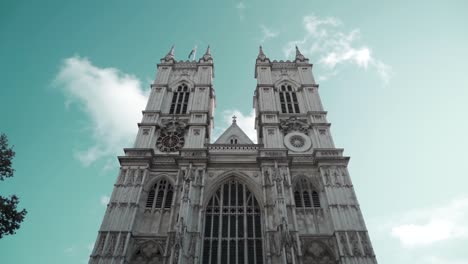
(267, 177)
(294, 124)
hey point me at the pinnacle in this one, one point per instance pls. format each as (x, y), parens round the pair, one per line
(261, 56)
(169, 56)
(299, 56)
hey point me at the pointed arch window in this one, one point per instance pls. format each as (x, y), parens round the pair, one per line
(305, 196)
(233, 140)
(233, 227)
(160, 195)
(180, 100)
(288, 100)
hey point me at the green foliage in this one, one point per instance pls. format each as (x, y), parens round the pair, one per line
(10, 217)
(6, 156)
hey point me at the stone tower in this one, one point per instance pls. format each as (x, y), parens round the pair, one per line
(181, 199)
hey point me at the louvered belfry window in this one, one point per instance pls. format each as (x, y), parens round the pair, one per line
(305, 196)
(180, 100)
(160, 195)
(288, 100)
(233, 227)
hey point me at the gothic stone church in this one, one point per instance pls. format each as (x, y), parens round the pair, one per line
(181, 199)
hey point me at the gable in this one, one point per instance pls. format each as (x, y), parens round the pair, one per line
(235, 133)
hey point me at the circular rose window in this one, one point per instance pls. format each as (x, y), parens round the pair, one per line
(297, 141)
(170, 142)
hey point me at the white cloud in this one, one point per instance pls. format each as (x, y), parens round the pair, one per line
(437, 260)
(324, 39)
(245, 122)
(112, 100)
(426, 227)
(267, 33)
(104, 200)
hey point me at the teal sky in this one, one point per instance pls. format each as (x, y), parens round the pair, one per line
(392, 77)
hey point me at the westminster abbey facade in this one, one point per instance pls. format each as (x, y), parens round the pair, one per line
(179, 198)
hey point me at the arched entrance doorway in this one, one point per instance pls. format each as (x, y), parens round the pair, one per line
(233, 226)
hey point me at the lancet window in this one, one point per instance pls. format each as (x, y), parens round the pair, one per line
(233, 229)
(305, 196)
(180, 100)
(160, 195)
(288, 100)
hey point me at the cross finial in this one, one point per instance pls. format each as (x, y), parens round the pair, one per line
(234, 119)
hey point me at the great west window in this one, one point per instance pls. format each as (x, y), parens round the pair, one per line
(233, 229)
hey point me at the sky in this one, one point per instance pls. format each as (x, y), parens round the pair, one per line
(392, 76)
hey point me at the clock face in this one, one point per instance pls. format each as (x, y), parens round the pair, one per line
(170, 142)
(297, 141)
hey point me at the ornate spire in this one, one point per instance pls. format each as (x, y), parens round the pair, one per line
(261, 56)
(299, 56)
(170, 55)
(207, 56)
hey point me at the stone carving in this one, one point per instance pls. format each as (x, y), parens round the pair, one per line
(172, 133)
(353, 239)
(283, 230)
(278, 179)
(344, 243)
(169, 57)
(297, 141)
(327, 179)
(285, 175)
(148, 251)
(300, 57)
(281, 238)
(266, 175)
(100, 245)
(187, 181)
(111, 244)
(140, 177)
(121, 178)
(365, 244)
(181, 229)
(164, 159)
(191, 248)
(199, 177)
(317, 252)
(274, 244)
(130, 177)
(193, 153)
(335, 176)
(121, 248)
(294, 124)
